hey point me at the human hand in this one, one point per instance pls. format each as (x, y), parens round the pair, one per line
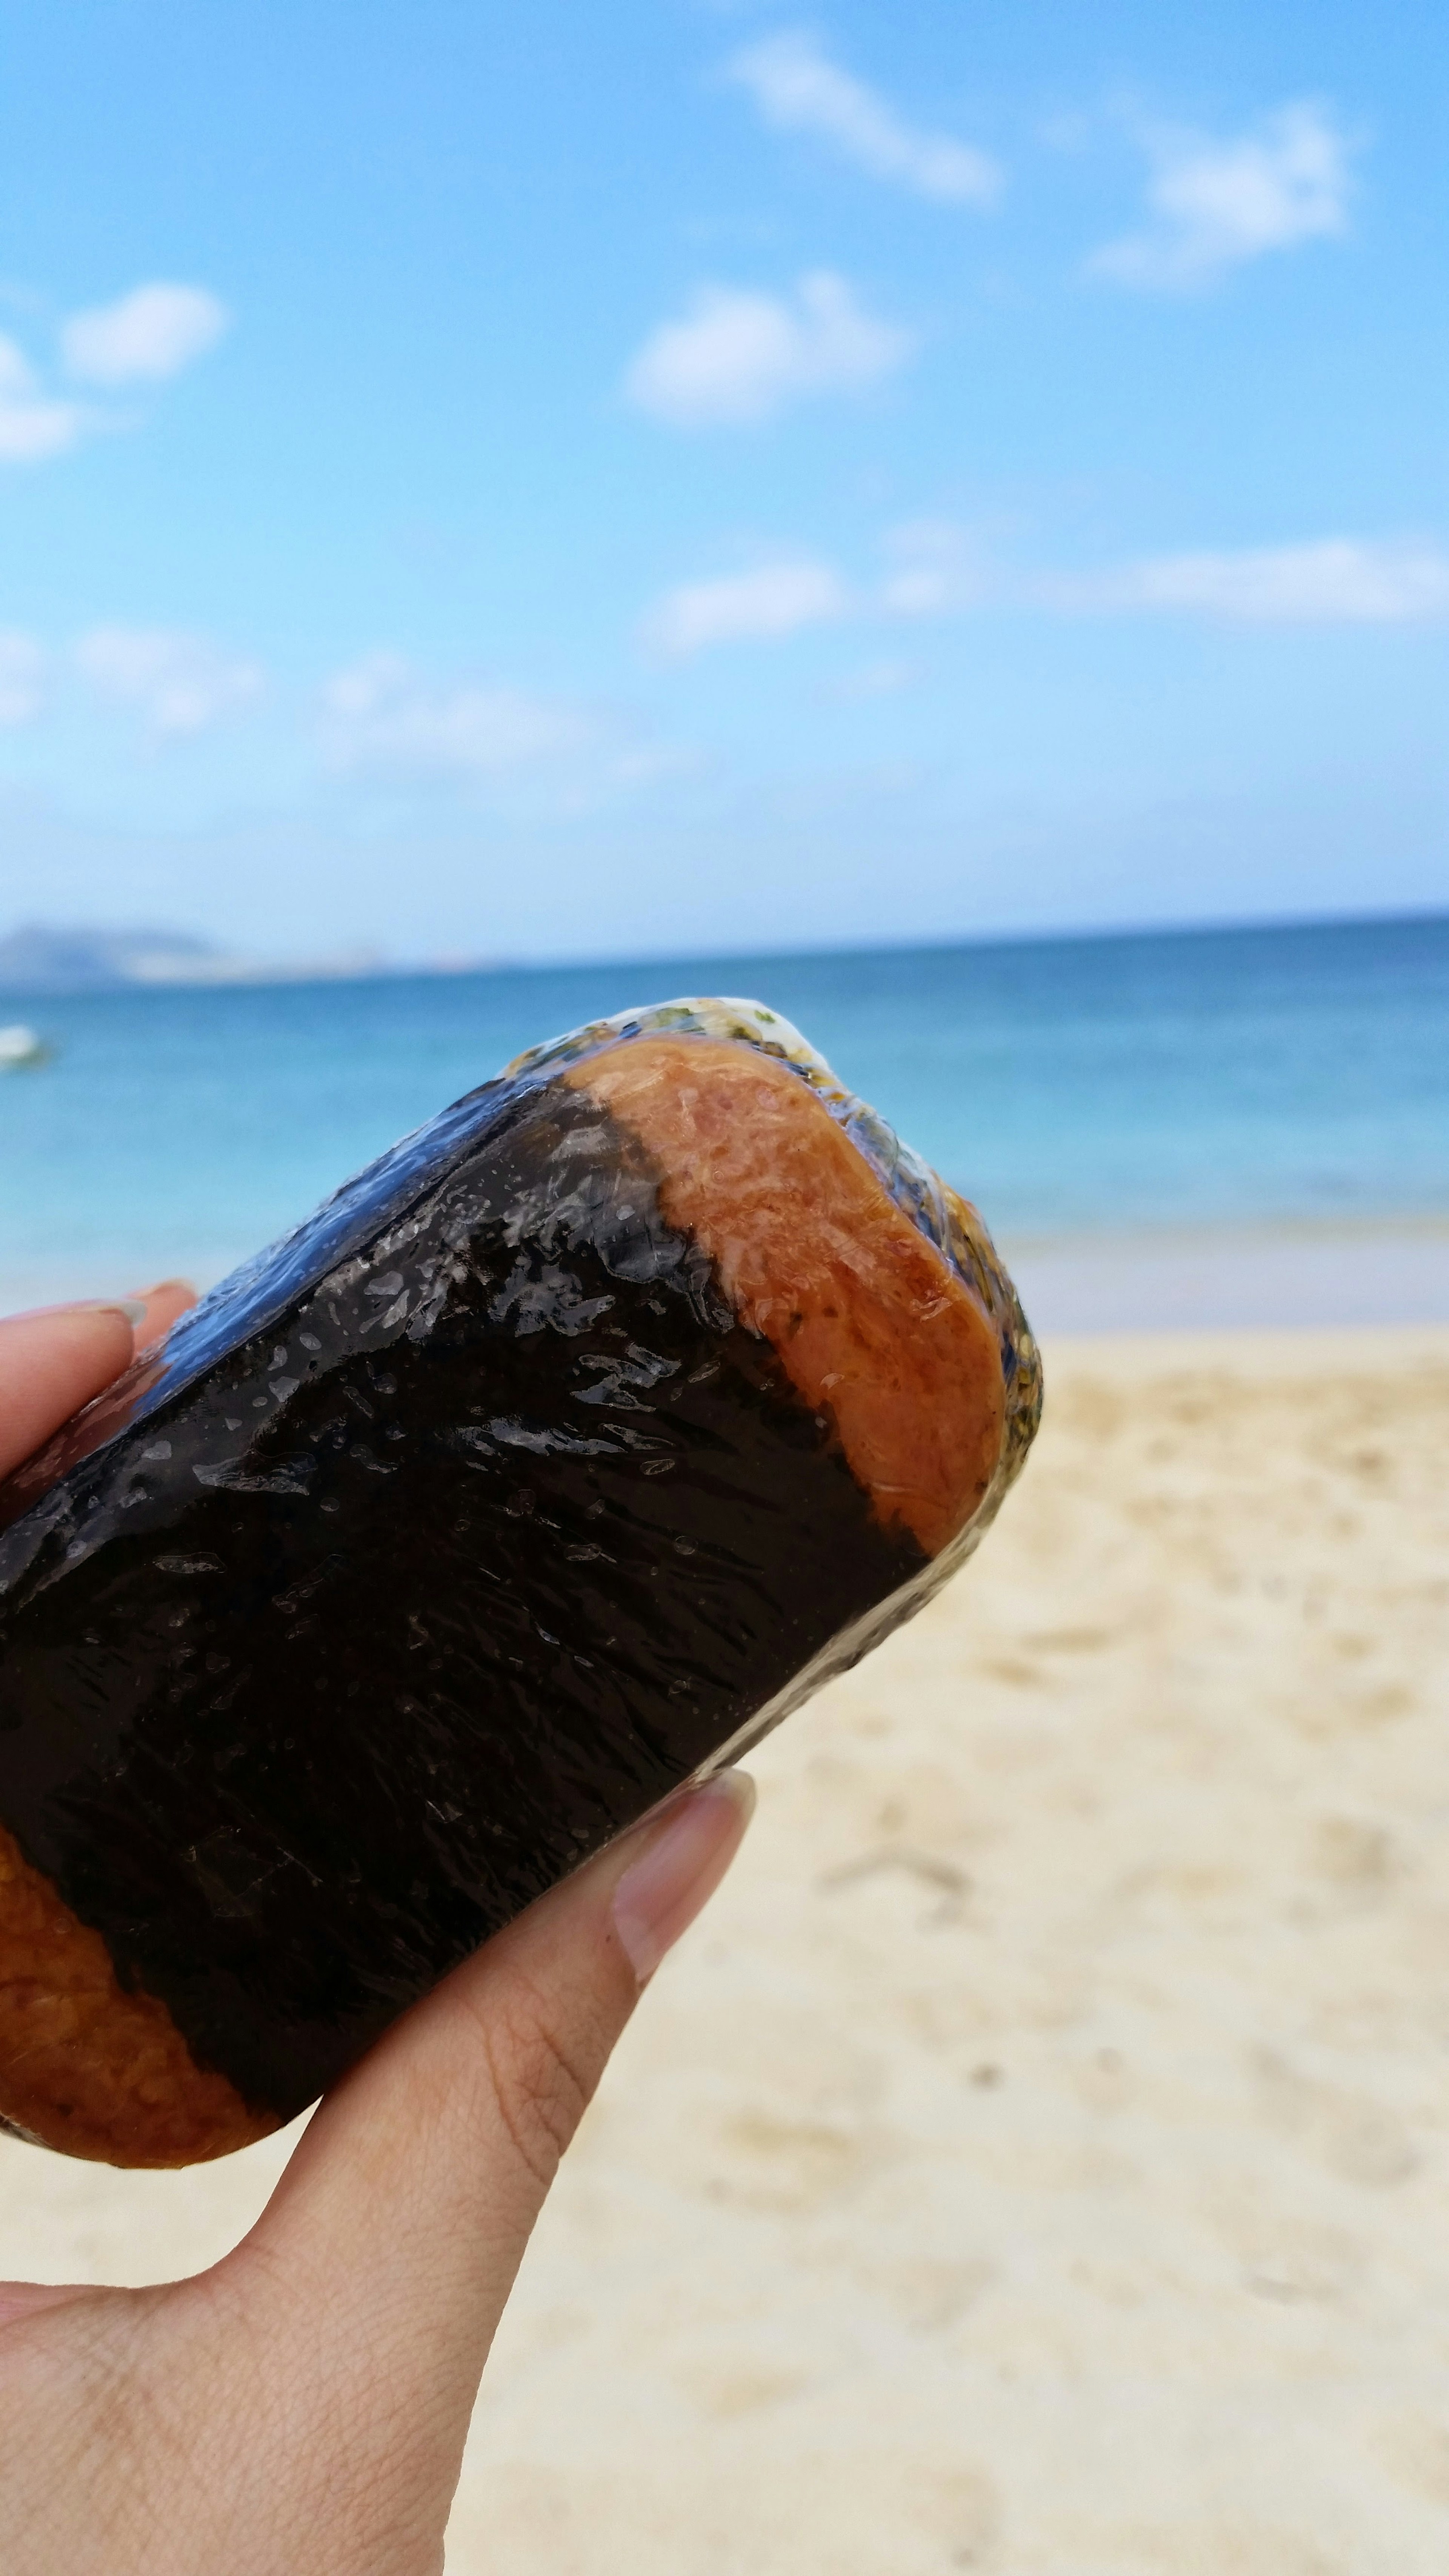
(305, 2402)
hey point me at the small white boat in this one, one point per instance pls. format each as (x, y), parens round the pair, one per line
(20, 1046)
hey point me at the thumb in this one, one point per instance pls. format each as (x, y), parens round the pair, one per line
(399, 2225)
(52, 1362)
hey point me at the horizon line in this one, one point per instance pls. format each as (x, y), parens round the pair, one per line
(260, 973)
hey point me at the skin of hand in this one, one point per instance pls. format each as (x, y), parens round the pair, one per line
(305, 2402)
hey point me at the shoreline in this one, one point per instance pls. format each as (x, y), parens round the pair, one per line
(1273, 1277)
(1243, 1278)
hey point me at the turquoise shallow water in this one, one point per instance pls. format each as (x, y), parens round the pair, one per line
(1256, 1078)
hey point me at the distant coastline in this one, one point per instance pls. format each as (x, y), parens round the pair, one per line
(1229, 1125)
(45, 959)
(39, 959)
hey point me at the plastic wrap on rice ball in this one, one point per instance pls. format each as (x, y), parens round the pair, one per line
(560, 1454)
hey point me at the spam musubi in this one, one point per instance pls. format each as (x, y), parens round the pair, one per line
(559, 1454)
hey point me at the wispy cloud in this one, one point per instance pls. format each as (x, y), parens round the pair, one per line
(737, 357)
(932, 567)
(1332, 581)
(22, 678)
(937, 568)
(771, 600)
(885, 678)
(1215, 204)
(798, 89)
(381, 717)
(143, 337)
(180, 684)
(32, 424)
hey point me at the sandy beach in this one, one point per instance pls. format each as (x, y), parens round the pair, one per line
(1037, 2161)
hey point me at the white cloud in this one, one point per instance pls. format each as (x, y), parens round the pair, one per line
(379, 716)
(932, 567)
(1330, 581)
(32, 426)
(149, 333)
(797, 87)
(153, 332)
(1215, 204)
(737, 356)
(772, 600)
(180, 683)
(22, 678)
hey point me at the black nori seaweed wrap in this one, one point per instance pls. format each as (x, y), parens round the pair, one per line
(447, 1537)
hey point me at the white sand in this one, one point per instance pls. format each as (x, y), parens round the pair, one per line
(1038, 2160)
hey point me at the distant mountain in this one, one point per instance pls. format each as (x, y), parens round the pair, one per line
(35, 959)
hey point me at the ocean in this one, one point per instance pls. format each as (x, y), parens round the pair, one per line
(1167, 1089)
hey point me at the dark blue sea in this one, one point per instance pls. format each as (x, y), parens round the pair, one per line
(1211, 1078)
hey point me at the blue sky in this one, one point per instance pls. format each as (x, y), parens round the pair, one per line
(679, 475)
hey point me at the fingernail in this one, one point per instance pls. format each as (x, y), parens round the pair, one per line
(661, 1892)
(130, 1309)
(157, 1285)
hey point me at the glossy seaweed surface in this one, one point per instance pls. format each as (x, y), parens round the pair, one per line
(445, 1540)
